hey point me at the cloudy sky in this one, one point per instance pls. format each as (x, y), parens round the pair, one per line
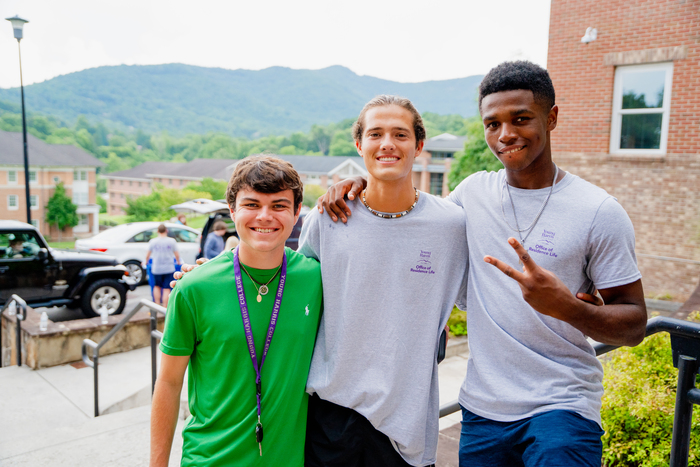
(405, 40)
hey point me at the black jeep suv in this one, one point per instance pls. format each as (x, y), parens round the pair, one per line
(44, 276)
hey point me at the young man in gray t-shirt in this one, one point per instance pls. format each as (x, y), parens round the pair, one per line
(531, 396)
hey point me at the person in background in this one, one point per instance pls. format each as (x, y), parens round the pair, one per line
(231, 243)
(181, 219)
(163, 249)
(214, 243)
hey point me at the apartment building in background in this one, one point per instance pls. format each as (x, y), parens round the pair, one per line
(629, 122)
(49, 164)
(140, 180)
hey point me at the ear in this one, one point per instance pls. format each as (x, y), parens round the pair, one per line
(419, 148)
(358, 145)
(552, 118)
(296, 214)
(232, 213)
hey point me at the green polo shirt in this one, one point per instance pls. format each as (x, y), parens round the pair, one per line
(204, 322)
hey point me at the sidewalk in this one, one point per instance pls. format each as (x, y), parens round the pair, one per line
(46, 416)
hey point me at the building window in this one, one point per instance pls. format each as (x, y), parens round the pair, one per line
(80, 175)
(56, 180)
(12, 177)
(436, 183)
(32, 176)
(641, 107)
(12, 202)
(34, 201)
(441, 155)
(83, 219)
(80, 198)
(139, 184)
(35, 223)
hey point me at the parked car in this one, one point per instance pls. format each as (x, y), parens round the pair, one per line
(129, 244)
(45, 276)
(220, 212)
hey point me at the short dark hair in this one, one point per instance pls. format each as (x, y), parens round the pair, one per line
(264, 174)
(521, 74)
(162, 228)
(383, 99)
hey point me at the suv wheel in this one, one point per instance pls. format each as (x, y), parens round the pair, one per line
(136, 272)
(103, 294)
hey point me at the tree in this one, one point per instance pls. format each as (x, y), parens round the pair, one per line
(60, 210)
(311, 194)
(476, 156)
(217, 189)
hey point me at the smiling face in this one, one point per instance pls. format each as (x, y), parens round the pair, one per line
(263, 221)
(517, 129)
(388, 145)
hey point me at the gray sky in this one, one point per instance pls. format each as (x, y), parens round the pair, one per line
(405, 40)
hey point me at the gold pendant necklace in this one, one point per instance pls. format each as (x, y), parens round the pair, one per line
(263, 289)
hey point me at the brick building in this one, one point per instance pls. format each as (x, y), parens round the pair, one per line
(137, 181)
(49, 164)
(629, 122)
(432, 166)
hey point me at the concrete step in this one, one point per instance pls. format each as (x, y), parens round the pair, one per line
(120, 439)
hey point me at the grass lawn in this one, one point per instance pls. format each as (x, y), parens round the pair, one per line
(115, 219)
(69, 245)
(197, 222)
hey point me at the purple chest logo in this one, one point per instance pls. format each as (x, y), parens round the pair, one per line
(423, 264)
(544, 245)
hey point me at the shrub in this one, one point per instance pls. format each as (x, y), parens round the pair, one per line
(639, 404)
(458, 322)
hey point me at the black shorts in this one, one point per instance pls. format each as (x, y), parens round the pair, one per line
(340, 437)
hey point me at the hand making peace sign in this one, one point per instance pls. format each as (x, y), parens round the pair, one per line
(542, 290)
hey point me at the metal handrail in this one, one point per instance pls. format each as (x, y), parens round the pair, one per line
(153, 309)
(17, 300)
(685, 343)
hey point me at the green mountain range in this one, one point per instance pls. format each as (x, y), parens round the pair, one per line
(183, 99)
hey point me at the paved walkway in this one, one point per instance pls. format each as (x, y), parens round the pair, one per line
(46, 416)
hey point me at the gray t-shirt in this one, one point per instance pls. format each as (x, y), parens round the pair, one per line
(522, 362)
(163, 253)
(389, 286)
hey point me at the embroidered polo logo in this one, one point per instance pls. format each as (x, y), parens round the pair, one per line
(307, 310)
(423, 264)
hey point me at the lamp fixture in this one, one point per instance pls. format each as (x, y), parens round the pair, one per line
(590, 36)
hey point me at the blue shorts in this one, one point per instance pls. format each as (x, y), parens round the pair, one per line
(163, 280)
(556, 438)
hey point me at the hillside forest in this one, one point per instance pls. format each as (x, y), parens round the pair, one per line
(121, 150)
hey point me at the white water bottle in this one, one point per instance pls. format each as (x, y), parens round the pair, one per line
(104, 316)
(44, 321)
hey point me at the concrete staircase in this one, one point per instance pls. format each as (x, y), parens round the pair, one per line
(46, 416)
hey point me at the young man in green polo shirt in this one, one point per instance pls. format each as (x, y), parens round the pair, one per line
(245, 325)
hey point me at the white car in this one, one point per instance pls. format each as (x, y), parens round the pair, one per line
(129, 244)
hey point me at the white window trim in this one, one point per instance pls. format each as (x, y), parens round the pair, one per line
(36, 206)
(16, 206)
(36, 177)
(11, 182)
(616, 126)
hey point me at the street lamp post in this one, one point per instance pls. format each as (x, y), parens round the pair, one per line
(17, 25)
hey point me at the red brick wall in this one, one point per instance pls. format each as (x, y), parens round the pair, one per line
(662, 193)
